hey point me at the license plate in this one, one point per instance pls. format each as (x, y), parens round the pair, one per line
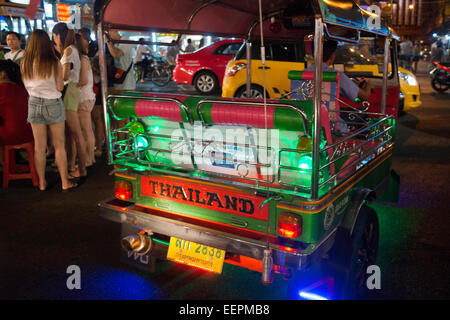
(196, 255)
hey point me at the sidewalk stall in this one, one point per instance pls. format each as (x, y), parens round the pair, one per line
(272, 185)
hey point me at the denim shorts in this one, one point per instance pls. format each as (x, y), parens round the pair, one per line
(45, 111)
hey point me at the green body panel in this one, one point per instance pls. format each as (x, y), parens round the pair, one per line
(316, 223)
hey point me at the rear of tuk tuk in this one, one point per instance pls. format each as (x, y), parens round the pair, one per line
(268, 185)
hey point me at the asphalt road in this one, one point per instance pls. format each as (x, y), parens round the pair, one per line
(43, 234)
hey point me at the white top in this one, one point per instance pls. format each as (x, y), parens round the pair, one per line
(14, 56)
(189, 48)
(139, 52)
(87, 91)
(172, 53)
(74, 57)
(124, 63)
(42, 88)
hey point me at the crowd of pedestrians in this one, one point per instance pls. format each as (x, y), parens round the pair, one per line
(57, 79)
(52, 84)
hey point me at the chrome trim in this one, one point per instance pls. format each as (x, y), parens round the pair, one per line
(385, 73)
(104, 86)
(318, 53)
(217, 239)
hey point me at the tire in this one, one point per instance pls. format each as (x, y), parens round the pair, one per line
(256, 92)
(206, 82)
(349, 258)
(161, 77)
(438, 86)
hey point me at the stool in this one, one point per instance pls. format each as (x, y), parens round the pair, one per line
(10, 168)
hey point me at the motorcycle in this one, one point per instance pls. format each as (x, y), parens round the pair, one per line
(440, 76)
(155, 69)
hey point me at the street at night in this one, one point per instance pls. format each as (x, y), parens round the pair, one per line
(224, 159)
(42, 234)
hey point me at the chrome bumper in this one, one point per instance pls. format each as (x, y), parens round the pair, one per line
(295, 259)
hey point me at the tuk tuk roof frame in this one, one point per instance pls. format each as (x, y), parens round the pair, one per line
(324, 12)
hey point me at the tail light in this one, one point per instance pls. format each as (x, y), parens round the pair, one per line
(289, 225)
(233, 70)
(123, 189)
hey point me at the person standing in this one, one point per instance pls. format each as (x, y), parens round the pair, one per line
(64, 39)
(190, 47)
(437, 54)
(13, 42)
(123, 55)
(43, 80)
(87, 95)
(416, 56)
(172, 52)
(406, 53)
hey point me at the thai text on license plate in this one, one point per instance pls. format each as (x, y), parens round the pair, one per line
(197, 255)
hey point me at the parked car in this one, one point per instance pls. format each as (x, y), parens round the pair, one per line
(282, 57)
(205, 67)
(409, 90)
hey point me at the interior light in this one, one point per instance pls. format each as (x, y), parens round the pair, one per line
(305, 163)
(141, 142)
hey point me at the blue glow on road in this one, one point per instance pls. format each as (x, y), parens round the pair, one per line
(310, 296)
(121, 285)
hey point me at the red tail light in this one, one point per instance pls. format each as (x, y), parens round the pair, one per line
(123, 190)
(289, 225)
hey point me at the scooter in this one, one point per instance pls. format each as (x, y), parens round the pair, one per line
(440, 76)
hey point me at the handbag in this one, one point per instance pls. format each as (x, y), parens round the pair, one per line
(120, 74)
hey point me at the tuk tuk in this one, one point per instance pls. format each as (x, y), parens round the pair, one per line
(270, 185)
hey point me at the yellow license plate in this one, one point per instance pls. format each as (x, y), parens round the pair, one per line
(197, 255)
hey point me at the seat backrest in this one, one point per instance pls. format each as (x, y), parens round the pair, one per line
(168, 107)
(276, 115)
(14, 128)
(302, 89)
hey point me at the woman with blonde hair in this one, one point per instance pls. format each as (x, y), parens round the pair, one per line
(64, 39)
(42, 77)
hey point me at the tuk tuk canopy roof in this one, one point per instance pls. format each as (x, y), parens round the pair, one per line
(237, 18)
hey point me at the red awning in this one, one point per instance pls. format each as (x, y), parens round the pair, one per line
(224, 17)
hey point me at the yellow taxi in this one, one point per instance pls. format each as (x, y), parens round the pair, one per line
(409, 90)
(282, 57)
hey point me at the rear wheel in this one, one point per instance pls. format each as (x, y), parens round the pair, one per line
(349, 260)
(256, 92)
(439, 83)
(161, 77)
(206, 82)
